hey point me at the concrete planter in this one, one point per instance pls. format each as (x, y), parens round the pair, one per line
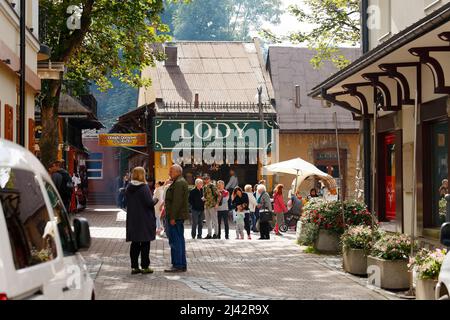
(327, 242)
(299, 230)
(425, 289)
(355, 261)
(393, 274)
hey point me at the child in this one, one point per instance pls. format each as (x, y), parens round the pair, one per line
(240, 224)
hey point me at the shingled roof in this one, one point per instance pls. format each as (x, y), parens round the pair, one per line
(225, 75)
(290, 66)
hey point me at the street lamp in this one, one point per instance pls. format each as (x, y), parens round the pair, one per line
(261, 119)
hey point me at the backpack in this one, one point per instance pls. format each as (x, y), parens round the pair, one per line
(66, 184)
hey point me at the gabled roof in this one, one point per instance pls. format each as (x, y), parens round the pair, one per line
(289, 66)
(223, 74)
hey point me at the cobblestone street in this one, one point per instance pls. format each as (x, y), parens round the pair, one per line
(217, 269)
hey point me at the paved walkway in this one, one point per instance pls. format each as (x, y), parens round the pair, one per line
(217, 269)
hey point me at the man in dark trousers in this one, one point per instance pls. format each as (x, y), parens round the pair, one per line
(197, 208)
(177, 210)
(63, 182)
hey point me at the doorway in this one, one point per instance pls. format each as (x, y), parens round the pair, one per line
(389, 193)
(389, 177)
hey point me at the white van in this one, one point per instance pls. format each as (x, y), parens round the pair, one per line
(39, 256)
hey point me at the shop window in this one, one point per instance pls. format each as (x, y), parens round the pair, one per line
(95, 166)
(326, 160)
(438, 158)
(30, 230)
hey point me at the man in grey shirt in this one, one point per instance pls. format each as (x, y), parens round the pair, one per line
(233, 182)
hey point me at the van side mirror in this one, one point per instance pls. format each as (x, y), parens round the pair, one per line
(82, 233)
(445, 234)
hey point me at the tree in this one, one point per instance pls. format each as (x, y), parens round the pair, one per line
(202, 20)
(116, 38)
(220, 19)
(334, 23)
(252, 14)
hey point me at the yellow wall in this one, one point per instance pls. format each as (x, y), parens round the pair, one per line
(293, 145)
(162, 172)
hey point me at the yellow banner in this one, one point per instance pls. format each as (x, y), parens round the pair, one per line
(122, 140)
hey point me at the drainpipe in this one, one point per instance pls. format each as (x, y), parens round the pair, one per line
(22, 109)
(364, 27)
(366, 120)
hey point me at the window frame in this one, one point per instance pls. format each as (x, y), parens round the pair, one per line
(385, 20)
(51, 217)
(95, 170)
(49, 204)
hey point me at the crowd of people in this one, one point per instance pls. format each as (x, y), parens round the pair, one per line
(209, 205)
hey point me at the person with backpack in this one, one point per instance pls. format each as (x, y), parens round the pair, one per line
(63, 182)
(211, 198)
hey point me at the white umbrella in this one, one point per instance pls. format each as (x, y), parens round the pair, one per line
(301, 168)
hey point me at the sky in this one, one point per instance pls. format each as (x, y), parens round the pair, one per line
(288, 22)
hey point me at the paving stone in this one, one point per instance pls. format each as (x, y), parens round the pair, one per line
(217, 269)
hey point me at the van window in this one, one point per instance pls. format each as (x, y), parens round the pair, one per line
(31, 233)
(62, 220)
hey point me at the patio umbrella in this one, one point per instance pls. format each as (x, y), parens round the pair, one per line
(302, 170)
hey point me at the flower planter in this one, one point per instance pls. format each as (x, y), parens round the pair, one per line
(327, 242)
(393, 274)
(299, 230)
(355, 261)
(425, 289)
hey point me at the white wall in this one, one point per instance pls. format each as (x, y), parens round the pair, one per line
(396, 15)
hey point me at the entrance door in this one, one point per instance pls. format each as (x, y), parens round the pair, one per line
(389, 177)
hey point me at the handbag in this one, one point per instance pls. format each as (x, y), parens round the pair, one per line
(265, 215)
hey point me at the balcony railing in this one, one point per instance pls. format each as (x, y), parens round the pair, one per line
(50, 70)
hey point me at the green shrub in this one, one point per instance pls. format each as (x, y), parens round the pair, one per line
(328, 215)
(308, 235)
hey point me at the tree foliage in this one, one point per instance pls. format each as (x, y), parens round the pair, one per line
(335, 23)
(220, 19)
(116, 39)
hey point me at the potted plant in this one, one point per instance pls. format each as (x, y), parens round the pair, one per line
(307, 230)
(442, 210)
(356, 243)
(329, 220)
(389, 258)
(426, 266)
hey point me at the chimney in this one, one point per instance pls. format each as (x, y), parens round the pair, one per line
(298, 103)
(171, 52)
(196, 103)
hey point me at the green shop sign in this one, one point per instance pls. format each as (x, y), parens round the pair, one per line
(169, 134)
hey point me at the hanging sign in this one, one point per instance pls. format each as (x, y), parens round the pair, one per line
(122, 140)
